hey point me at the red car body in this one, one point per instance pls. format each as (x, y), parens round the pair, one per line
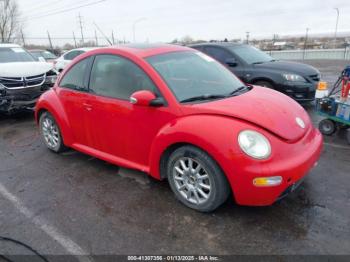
(138, 137)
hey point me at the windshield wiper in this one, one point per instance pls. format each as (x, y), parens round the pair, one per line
(202, 98)
(258, 63)
(239, 89)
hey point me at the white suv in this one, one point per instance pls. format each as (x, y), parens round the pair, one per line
(22, 78)
(66, 58)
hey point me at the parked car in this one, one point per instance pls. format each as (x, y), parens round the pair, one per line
(43, 55)
(22, 79)
(177, 114)
(66, 58)
(297, 80)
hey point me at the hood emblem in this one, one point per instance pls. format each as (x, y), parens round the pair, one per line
(300, 122)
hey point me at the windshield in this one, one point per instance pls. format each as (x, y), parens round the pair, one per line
(48, 55)
(15, 54)
(194, 74)
(45, 54)
(250, 54)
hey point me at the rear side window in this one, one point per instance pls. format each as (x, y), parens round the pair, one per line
(75, 77)
(117, 77)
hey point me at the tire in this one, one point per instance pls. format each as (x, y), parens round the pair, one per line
(204, 188)
(264, 84)
(51, 133)
(327, 127)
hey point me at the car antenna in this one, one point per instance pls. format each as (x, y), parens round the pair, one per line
(107, 39)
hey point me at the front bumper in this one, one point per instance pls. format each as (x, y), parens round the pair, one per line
(301, 92)
(292, 163)
(21, 99)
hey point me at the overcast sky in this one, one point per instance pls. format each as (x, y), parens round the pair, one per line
(166, 20)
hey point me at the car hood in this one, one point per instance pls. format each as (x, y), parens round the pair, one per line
(289, 67)
(261, 106)
(24, 69)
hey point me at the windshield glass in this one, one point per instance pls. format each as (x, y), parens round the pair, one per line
(15, 54)
(48, 55)
(250, 54)
(192, 74)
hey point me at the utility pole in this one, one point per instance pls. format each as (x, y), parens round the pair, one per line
(247, 35)
(75, 40)
(336, 27)
(113, 41)
(48, 35)
(81, 28)
(96, 39)
(305, 42)
(22, 35)
(99, 29)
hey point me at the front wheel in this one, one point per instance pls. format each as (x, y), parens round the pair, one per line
(196, 179)
(51, 133)
(327, 127)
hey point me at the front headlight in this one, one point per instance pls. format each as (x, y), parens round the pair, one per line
(254, 144)
(294, 78)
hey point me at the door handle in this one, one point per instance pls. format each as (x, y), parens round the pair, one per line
(87, 106)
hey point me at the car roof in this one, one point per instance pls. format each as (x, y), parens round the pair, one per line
(224, 44)
(9, 45)
(86, 49)
(146, 50)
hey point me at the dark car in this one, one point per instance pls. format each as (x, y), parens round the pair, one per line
(253, 66)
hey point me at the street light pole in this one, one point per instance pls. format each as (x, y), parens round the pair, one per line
(305, 43)
(336, 27)
(134, 27)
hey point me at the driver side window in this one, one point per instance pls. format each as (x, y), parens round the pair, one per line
(117, 77)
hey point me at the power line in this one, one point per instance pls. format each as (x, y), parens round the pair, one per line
(42, 5)
(65, 10)
(52, 9)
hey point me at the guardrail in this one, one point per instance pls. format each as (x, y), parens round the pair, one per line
(313, 54)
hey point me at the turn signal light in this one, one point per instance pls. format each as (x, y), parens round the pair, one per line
(322, 86)
(267, 181)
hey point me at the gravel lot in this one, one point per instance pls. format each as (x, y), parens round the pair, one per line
(72, 203)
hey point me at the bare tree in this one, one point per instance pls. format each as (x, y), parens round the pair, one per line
(10, 25)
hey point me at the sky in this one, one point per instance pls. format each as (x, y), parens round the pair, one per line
(163, 21)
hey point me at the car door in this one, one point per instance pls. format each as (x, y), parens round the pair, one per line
(73, 94)
(221, 55)
(120, 128)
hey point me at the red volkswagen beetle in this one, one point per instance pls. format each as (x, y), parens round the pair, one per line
(179, 115)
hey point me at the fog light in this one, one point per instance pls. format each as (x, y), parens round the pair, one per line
(267, 181)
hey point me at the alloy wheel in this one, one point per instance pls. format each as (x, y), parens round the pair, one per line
(192, 180)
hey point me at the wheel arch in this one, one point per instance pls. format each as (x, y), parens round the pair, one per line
(262, 78)
(49, 102)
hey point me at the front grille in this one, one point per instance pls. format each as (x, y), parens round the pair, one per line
(315, 78)
(22, 82)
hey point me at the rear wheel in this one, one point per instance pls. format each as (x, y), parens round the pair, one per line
(196, 179)
(51, 133)
(327, 127)
(264, 84)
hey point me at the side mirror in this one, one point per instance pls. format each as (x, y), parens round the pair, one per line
(145, 98)
(41, 59)
(231, 62)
